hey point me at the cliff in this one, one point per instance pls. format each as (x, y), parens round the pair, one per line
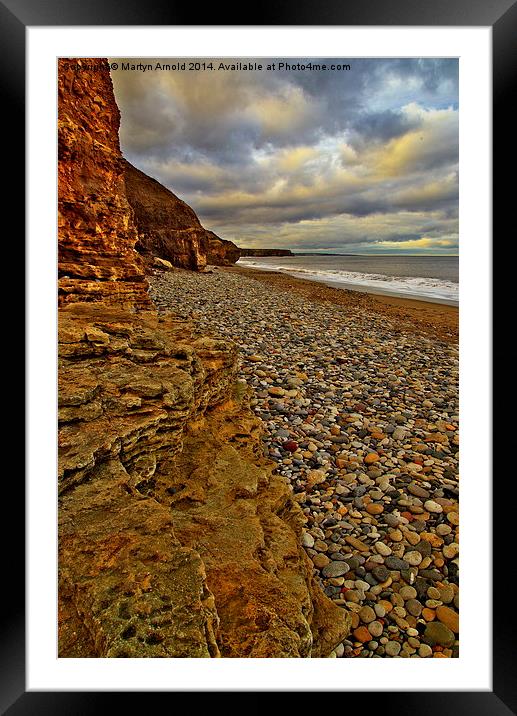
(221, 252)
(96, 257)
(265, 252)
(169, 228)
(175, 537)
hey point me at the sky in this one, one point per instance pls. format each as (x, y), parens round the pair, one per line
(363, 160)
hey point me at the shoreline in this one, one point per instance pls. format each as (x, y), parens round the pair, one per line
(440, 320)
(375, 288)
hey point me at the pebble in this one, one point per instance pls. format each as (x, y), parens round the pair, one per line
(367, 615)
(392, 520)
(432, 506)
(364, 586)
(414, 607)
(417, 490)
(449, 617)
(451, 550)
(315, 477)
(396, 535)
(437, 633)
(361, 420)
(335, 569)
(320, 560)
(275, 391)
(432, 603)
(443, 530)
(380, 610)
(382, 549)
(424, 548)
(307, 540)
(395, 563)
(413, 558)
(375, 628)
(408, 592)
(362, 634)
(392, 648)
(446, 593)
(374, 509)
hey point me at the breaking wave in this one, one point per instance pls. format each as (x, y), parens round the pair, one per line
(407, 286)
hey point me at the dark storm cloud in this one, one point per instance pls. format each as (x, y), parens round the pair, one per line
(381, 126)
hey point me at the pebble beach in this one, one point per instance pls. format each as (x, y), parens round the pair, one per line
(359, 401)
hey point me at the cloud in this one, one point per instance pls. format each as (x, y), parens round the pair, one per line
(306, 158)
(402, 231)
(432, 144)
(424, 243)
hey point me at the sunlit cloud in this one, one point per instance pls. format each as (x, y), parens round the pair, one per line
(361, 161)
(424, 243)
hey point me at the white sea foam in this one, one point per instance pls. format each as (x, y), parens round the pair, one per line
(436, 289)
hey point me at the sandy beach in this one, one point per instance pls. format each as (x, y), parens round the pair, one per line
(358, 396)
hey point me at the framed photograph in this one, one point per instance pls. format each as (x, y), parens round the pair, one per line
(263, 253)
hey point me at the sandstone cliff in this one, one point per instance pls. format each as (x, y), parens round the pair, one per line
(175, 537)
(96, 257)
(221, 252)
(169, 228)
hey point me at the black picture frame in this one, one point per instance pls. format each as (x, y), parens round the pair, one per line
(15, 16)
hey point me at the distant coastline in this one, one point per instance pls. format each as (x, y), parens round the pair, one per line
(265, 252)
(289, 252)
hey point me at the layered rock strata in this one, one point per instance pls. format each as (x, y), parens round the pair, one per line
(175, 537)
(96, 256)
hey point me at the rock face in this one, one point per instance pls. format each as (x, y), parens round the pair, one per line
(265, 252)
(175, 537)
(96, 258)
(221, 252)
(169, 228)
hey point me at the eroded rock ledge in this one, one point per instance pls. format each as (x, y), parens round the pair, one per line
(175, 537)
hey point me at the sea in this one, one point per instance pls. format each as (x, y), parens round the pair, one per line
(428, 278)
